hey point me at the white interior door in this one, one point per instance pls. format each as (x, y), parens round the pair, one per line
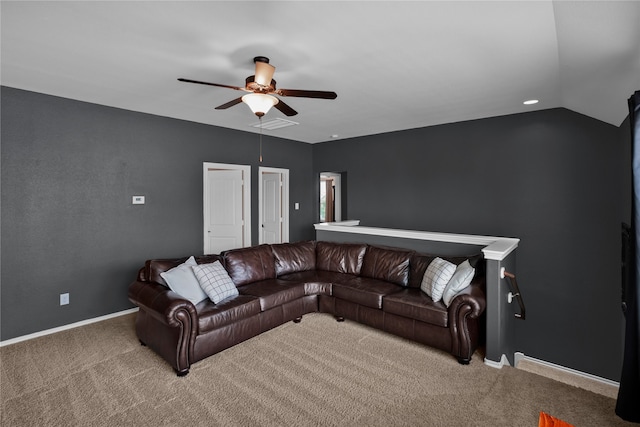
(271, 227)
(274, 205)
(226, 208)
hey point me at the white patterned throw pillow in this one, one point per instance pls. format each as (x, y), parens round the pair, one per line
(460, 280)
(215, 281)
(435, 279)
(183, 282)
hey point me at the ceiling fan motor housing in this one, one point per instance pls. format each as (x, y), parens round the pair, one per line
(253, 86)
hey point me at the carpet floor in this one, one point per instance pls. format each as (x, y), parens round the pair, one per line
(315, 373)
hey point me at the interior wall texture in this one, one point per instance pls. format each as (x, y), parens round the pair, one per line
(553, 178)
(69, 170)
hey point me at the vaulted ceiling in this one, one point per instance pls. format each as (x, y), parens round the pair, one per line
(394, 65)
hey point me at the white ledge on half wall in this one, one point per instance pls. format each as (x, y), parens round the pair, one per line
(496, 248)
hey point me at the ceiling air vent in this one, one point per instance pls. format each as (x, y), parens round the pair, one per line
(276, 123)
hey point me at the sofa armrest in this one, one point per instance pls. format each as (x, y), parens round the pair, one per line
(464, 313)
(472, 300)
(166, 323)
(164, 305)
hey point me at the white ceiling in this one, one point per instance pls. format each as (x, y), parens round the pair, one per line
(394, 65)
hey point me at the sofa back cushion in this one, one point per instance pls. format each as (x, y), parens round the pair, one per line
(294, 257)
(247, 265)
(153, 267)
(388, 264)
(208, 259)
(340, 257)
(420, 262)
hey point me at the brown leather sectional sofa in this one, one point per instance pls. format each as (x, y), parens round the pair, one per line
(376, 286)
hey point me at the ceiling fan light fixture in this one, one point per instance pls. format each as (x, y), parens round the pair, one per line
(259, 103)
(264, 72)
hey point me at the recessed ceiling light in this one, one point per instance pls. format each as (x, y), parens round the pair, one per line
(335, 135)
(530, 102)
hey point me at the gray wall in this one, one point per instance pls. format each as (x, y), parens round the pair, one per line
(557, 180)
(554, 178)
(69, 170)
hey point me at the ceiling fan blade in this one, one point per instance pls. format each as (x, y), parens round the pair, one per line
(229, 104)
(264, 73)
(307, 93)
(285, 109)
(211, 84)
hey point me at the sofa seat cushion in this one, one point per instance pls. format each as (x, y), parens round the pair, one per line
(273, 292)
(213, 316)
(364, 291)
(415, 304)
(318, 282)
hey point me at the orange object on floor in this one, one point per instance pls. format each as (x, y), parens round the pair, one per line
(547, 420)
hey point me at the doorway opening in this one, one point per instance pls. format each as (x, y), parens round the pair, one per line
(331, 204)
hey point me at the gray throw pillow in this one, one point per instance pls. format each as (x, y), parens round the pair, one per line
(460, 281)
(183, 282)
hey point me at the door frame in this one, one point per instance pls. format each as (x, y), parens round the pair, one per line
(284, 176)
(246, 199)
(337, 196)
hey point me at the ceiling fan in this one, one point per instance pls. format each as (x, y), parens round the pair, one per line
(262, 88)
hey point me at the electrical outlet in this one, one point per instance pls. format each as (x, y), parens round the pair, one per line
(64, 299)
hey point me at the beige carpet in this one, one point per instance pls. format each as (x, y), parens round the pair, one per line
(316, 373)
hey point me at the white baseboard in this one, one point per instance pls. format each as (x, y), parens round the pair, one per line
(499, 364)
(67, 327)
(566, 375)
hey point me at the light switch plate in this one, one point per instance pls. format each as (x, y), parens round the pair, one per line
(138, 200)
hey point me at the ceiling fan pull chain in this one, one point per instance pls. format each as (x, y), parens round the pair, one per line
(260, 119)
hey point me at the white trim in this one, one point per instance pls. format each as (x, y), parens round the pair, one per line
(519, 357)
(284, 174)
(497, 248)
(498, 365)
(67, 327)
(593, 383)
(346, 223)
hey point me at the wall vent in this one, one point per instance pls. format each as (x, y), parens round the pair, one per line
(276, 123)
